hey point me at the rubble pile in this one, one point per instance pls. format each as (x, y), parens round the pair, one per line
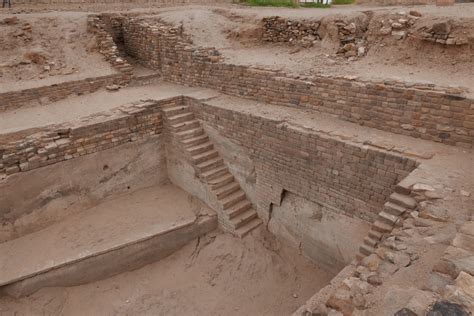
(303, 32)
(352, 39)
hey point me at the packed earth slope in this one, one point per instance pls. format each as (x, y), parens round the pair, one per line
(43, 49)
(215, 275)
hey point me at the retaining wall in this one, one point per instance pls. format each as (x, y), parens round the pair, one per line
(419, 111)
(339, 176)
(46, 94)
(40, 147)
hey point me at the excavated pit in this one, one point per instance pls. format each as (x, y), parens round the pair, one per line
(125, 191)
(246, 193)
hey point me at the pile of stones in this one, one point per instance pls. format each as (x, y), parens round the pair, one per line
(352, 40)
(278, 30)
(442, 33)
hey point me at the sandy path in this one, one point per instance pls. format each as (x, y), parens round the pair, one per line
(217, 275)
(77, 107)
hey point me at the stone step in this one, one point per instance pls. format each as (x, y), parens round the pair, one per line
(387, 218)
(185, 126)
(382, 227)
(366, 250)
(238, 208)
(232, 199)
(375, 234)
(208, 155)
(175, 110)
(210, 164)
(112, 237)
(227, 190)
(194, 141)
(183, 117)
(370, 242)
(243, 218)
(244, 230)
(221, 181)
(190, 133)
(394, 209)
(201, 148)
(214, 173)
(403, 200)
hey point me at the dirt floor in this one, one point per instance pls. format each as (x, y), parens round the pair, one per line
(216, 275)
(406, 60)
(31, 50)
(43, 49)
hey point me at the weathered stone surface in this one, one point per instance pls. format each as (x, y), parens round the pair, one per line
(372, 262)
(341, 301)
(446, 308)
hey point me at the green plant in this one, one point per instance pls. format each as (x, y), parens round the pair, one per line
(343, 1)
(315, 5)
(272, 3)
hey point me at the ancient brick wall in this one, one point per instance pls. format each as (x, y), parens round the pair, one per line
(46, 94)
(414, 110)
(144, 48)
(338, 175)
(36, 148)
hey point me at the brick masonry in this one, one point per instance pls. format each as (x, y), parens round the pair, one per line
(341, 176)
(418, 111)
(36, 148)
(46, 94)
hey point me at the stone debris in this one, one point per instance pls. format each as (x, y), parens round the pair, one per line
(296, 32)
(113, 87)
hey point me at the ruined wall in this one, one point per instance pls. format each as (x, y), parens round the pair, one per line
(145, 49)
(341, 177)
(44, 146)
(49, 172)
(47, 94)
(413, 110)
(35, 199)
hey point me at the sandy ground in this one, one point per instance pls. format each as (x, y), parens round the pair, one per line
(46, 48)
(77, 107)
(386, 58)
(211, 25)
(216, 275)
(111, 224)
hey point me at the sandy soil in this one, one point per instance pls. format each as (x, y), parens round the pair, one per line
(47, 48)
(60, 37)
(79, 107)
(216, 275)
(387, 58)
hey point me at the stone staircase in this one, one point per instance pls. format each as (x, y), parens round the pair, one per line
(398, 204)
(236, 213)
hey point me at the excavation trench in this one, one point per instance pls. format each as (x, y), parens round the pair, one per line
(143, 205)
(140, 206)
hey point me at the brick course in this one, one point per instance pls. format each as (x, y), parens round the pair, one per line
(46, 94)
(418, 111)
(36, 148)
(341, 176)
